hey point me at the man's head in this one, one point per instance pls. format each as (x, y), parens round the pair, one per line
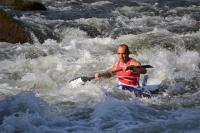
(123, 52)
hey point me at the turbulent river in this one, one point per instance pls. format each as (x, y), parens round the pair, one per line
(36, 97)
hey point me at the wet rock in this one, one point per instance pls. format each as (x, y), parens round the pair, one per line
(28, 5)
(25, 5)
(6, 2)
(43, 33)
(11, 31)
(90, 30)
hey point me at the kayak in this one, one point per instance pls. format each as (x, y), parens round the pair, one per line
(148, 91)
(142, 90)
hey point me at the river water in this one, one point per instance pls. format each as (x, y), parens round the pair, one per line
(36, 97)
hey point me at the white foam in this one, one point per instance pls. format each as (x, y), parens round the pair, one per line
(44, 101)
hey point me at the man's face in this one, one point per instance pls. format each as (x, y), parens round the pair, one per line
(122, 54)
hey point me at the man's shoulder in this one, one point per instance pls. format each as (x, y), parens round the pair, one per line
(116, 61)
(135, 62)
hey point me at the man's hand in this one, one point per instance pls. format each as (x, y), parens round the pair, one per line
(97, 76)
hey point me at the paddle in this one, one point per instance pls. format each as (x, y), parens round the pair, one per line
(84, 79)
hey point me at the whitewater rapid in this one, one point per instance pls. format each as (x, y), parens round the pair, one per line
(34, 78)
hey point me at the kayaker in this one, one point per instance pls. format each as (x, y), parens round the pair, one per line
(127, 79)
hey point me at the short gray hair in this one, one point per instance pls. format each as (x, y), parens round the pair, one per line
(124, 46)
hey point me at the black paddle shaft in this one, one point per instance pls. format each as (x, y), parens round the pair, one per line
(85, 78)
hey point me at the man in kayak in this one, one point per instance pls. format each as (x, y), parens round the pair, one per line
(127, 79)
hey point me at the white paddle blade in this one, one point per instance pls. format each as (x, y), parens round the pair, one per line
(76, 83)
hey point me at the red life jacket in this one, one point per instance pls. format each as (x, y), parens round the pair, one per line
(129, 77)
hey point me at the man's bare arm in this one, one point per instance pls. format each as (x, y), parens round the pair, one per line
(107, 74)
